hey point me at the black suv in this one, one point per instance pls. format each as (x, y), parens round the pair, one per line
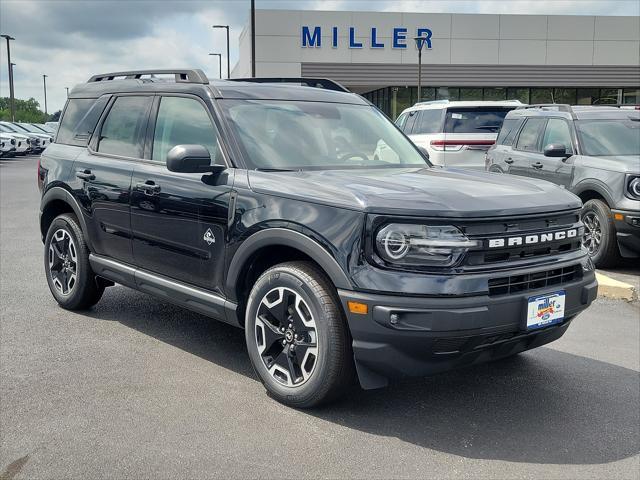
(262, 205)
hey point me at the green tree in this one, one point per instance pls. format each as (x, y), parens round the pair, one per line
(26, 110)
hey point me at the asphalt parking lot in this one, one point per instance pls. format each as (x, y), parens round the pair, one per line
(136, 388)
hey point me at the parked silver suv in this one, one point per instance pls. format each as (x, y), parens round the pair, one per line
(593, 151)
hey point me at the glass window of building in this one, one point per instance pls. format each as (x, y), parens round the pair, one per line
(564, 95)
(631, 95)
(586, 96)
(470, 94)
(608, 96)
(494, 94)
(541, 95)
(521, 94)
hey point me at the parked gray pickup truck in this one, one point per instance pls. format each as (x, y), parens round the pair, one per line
(592, 151)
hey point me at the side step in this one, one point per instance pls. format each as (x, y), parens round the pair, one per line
(167, 289)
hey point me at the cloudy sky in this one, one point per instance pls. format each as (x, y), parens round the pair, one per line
(69, 40)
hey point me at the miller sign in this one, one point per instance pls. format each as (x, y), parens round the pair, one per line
(312, 37)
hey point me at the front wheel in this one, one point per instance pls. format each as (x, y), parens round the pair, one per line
(296, 336)
(600, 233)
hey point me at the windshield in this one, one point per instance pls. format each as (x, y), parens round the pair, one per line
(605, 137)
(29, 128)
(8, 128)
(40, 129)
(295, 135)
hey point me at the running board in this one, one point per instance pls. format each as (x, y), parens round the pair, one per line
(167, 289)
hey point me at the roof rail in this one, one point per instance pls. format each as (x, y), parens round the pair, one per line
(181, 75)
(325, 83)
(562, 107)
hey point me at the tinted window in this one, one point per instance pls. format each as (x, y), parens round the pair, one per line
(124, 128)
(508, 131)
(474, 120)
(75, 111)
(528, 139)
(429, 121)
(400, 121)
(408, 127)
(557, 132)
(183, 121)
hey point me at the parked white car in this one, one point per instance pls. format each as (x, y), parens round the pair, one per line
(455, 134)
(7, 145)
(52, 125)
(23, 142)
(45, 138)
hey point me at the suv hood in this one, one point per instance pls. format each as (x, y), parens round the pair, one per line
(614, 163)
(418, 191)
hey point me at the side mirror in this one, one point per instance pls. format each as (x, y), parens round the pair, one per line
(190, 159)
(555, 150)
(424, 152)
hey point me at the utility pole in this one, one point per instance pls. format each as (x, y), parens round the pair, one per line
(219, 55)
(253, 38)
(11, 95)
(228, 59)
(44, 82)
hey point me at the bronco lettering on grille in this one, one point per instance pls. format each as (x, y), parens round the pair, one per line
(532, 239)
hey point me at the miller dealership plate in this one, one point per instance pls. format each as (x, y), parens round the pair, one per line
(545, 310)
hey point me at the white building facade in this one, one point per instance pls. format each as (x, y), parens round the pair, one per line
(533, 58)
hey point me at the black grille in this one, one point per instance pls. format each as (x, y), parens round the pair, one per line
(533, 281)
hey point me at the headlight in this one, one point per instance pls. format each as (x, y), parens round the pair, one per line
(422, 245)
(633, 186)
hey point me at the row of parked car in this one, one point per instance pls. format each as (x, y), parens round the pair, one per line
(592, 151)
(24, 138)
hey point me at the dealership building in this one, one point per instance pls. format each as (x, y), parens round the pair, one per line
(532, 58)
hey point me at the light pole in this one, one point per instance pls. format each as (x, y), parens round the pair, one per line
(44, 83)
(219, 55)
(11, 95)
(228, 61)
(420, 43)
(67, 89)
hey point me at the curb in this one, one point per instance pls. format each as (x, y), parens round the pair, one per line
(614, 289)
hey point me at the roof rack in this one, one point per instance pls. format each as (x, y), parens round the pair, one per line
(325, 83)
(181, 75)
(446, 100)
(561, 107)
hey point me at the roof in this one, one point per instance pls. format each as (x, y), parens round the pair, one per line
(439, 104)
(574, 112)
(194, 82)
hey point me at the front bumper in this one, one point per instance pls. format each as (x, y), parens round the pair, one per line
(627, 223)
(434, 334)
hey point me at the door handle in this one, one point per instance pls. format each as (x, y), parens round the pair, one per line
(149, 187)
(509, 160)
(537, 165)
(85, 175)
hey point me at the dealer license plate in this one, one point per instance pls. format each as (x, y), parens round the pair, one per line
(545, 310)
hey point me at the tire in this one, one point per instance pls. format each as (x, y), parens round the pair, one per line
(71, 280)
(600, 234)
(298, 373)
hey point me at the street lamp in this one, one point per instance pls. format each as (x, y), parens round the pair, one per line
(67, 89)
(420, 43)
(219, 55)
(11, 95)
(228, 62)
(44, 82)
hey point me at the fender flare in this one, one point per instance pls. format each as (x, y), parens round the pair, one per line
(289, 238)
(597, 187)
(59, 193)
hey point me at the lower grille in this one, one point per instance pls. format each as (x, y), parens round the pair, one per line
(533, 281)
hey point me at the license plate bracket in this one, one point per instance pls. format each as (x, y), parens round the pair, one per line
(545, 310)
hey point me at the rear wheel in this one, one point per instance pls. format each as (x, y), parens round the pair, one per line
(296, 336)
(600, 233)
(66, 262)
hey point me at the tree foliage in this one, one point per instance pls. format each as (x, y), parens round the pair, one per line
(26, 110)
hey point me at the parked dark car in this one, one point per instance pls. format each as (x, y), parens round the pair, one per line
(592, 151)
(261, 205)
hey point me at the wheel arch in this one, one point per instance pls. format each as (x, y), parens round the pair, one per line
(57, 201)
(276, 245)
(593, 191)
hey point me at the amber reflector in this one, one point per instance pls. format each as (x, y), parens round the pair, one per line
(359, 308)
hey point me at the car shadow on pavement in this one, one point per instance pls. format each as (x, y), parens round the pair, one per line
(542, 406)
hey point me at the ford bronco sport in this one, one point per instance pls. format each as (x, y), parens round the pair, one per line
(592, 151)
(261, 205)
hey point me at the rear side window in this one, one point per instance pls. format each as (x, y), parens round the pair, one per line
(528, 138)
(79, 120)
(429, 121)
(474, 120)
(124, 128)
(508, 131)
